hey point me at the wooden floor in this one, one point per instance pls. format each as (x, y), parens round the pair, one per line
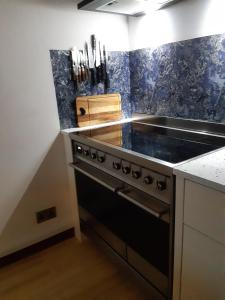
(71, 270)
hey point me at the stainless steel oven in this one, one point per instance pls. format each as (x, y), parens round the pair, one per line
(125, 187)
(133, 223)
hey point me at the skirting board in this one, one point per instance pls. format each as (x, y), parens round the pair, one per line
(13, 257)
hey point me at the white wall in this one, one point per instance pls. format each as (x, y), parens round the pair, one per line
(184, 20)
(32, 163)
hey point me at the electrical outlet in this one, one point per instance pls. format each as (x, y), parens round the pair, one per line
(46, 214)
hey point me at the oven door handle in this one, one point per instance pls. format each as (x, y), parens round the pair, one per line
(148, 203)
(97, 175)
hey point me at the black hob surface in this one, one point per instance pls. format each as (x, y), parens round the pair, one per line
(168, 145)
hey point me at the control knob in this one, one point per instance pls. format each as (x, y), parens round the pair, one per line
(79, 149)
(101, 159)
(86, 152)
(126, 170)
(116, 165)
(136, 174)
(161, 185)
(148, 180)
(93, 155)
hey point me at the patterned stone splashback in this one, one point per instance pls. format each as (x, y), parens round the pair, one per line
(183, 79)
(66, 93)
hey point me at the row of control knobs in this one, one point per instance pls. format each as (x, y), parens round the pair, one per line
(100, 158)
(126, 170)
(161, 185)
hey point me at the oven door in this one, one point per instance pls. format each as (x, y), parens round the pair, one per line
(133, 223)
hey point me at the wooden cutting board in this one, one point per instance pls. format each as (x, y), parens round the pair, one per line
(92, 110)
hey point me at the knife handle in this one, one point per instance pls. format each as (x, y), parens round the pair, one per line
(79, 76)
(87, 74)
(93, 77)
(82, 72)
(107, 82)
(98, 74)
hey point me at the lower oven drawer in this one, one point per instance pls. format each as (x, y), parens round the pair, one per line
(152, 274)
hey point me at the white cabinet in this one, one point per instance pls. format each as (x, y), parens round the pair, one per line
(199, 263)
(204, 210)
(203, 267)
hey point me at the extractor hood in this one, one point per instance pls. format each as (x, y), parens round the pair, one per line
(125, 7)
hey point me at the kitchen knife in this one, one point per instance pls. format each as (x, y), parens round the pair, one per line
(86, 55)
(106, 77)
(93, 52)
(74, 56)
(82, 66)
(98, 62)
(79, 68)
(101, 63)
(91, 65)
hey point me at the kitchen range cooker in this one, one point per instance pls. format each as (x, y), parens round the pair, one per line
(126, 188)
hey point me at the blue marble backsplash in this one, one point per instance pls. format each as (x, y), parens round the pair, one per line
(66, 92)
(182, 79)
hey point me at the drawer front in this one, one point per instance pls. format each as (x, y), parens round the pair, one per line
(204, 210)
(203, 267)
(147, 270)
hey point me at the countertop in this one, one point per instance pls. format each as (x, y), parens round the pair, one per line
(135, 117)
(208, 170)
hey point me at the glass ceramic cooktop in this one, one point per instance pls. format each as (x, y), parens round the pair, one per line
(152, 141)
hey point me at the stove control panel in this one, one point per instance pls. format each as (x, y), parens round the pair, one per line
(145, 179)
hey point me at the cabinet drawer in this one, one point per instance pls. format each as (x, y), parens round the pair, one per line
(203, 267)
(204, 210)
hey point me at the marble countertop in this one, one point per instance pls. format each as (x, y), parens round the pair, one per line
(208, 170)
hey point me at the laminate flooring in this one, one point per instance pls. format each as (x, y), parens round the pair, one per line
(72, 270)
